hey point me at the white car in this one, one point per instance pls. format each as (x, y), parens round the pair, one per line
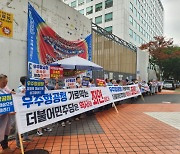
(169, 84)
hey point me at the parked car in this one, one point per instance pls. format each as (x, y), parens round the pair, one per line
(169, 84)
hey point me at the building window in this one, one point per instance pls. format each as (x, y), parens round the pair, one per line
(108, 17)
(89, 10)
(131, 6)
(138, 15)
(131, 33)
(73, 4)
(98, 20)
(135, 24)
(141, 29)
(138, 27)
(108, 3)
(98, 7)
(135, 11)
(87, 1)
(138, 3)
(80, 2)
(109, 29)
(138, 38)
(131, 20)
(81, 11)
(134, 36)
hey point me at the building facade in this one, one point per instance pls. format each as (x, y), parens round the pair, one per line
(135, 21)
(65, 21)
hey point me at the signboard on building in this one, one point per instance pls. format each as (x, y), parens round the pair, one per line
(45, 46)
(6, 24)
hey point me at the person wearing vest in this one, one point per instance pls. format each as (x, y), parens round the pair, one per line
(5, 119)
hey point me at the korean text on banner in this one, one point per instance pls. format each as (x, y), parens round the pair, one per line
(45, 46)
(39, 70)
(85, 81)
(6, 24)
(101, 83)
(35, 112)
(56, 72)
(124, 92)
(35, 87)
(70, 83)
(6, 103)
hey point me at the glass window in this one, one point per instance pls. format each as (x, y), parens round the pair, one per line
(109, 29)
(108, 17)
(131, 33)
(138, 27)
(135, 24)
(73, 4)
(141, 30)
(131, 20)
(81, 11)
(134, 36)
(138, 3)
(80, 2)
(135, 11)
(138, 38)
(141, 18)
(98, 20)
(89, 10)
(98, 7)
(87, 1)
(138, 15)
(131, 6)
(108, 3)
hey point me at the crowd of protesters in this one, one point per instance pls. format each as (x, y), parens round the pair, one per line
(150, 88)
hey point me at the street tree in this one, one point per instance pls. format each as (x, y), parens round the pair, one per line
(164, 55)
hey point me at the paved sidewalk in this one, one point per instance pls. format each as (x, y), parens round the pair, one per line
(131, 131)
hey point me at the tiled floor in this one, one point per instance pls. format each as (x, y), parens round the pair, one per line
(136, 129)
(87, 125)
(131, 131)
(170, 118)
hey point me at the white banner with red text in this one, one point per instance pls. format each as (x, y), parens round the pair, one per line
(33, 112)
(120, 93)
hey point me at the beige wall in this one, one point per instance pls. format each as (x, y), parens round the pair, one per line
(113, 56)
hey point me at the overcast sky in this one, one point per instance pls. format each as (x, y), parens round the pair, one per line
(172, 19)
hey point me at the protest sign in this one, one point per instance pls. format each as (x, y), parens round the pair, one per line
(124, 92)
(35, 112)
(35, 87)
(40, 71)
(85, 81)
(6, 103)
(100, 83)
(56, 72)
(70, 83)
